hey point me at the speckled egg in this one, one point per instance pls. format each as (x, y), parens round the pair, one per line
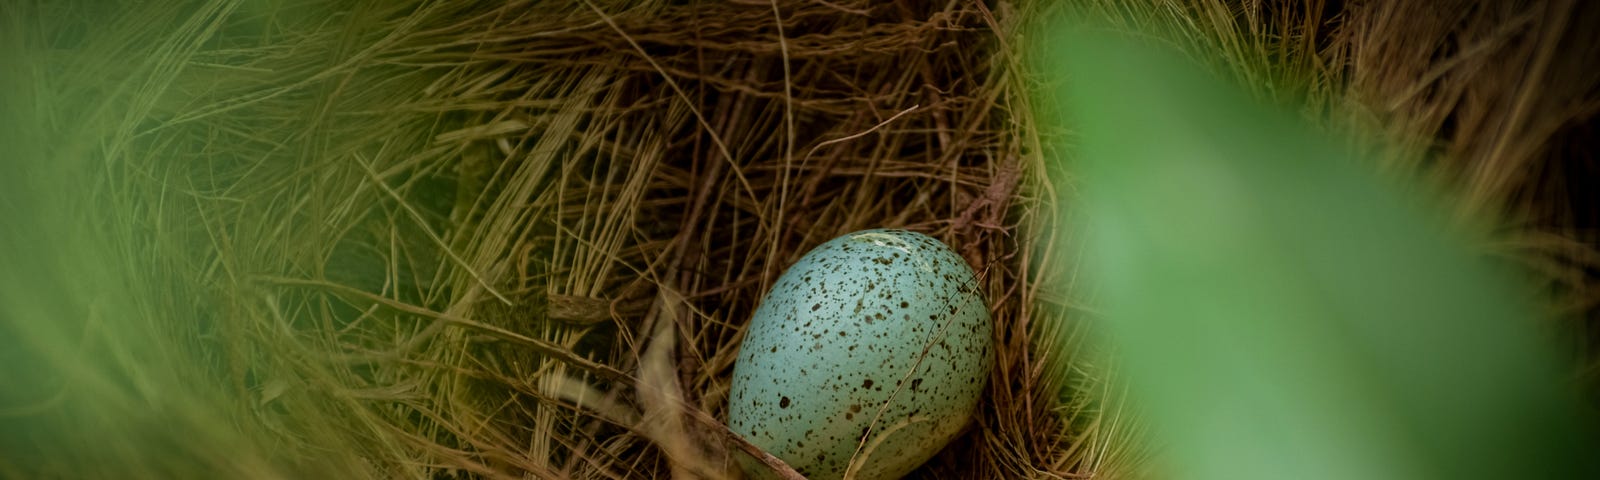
(876, 339)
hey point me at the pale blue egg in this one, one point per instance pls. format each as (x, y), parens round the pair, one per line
(877, 320)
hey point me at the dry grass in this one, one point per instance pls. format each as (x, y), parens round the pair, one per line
(416, 239)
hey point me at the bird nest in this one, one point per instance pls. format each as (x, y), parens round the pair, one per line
(439, 239)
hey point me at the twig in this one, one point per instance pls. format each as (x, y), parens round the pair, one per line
(777, 465)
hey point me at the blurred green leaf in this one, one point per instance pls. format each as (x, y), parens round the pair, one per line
(1281, 311)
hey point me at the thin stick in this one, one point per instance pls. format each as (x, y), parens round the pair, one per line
(777, 465)
(857, 135)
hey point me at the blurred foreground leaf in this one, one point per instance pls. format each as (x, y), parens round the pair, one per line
(1284, 313)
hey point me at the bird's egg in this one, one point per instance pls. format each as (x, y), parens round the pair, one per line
(872, 349)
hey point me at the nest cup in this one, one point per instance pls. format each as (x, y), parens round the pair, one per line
(404, 239)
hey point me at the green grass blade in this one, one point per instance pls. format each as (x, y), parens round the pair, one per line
(1283, 312)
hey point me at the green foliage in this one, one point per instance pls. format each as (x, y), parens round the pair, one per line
(1280, 310)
